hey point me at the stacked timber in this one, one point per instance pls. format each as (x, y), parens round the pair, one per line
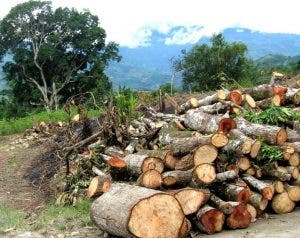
(204, 168)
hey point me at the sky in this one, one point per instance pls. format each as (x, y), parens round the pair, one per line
(131, 22)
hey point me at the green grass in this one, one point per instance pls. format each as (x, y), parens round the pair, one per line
(11, 218)
(64, 217)
(8, 127)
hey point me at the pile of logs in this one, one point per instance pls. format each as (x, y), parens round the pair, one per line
(198, 169)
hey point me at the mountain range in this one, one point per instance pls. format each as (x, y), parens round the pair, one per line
(147, 67)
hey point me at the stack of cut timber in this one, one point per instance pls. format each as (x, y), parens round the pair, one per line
(199, 169)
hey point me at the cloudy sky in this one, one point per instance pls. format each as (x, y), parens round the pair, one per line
(129, 22)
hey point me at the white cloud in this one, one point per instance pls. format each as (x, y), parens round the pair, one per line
(125, 20)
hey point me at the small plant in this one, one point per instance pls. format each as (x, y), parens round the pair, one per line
(273, 116)
(268, 154)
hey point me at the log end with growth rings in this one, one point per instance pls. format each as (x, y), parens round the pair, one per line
(226, 125)
(281, 136)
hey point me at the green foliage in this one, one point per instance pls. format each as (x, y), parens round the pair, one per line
(207, 67)
(11, 218)
(65, 217)
(273, 116)
(18, 125)
(126, 102)
(268, 154)
(56, 53)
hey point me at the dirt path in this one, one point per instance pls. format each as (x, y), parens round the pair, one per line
(15, 190)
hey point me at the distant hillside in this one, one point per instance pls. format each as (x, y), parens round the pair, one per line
(154, 61)
(276, 60)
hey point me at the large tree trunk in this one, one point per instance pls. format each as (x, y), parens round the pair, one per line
(209, 220)
(132, 211)
(271, 134)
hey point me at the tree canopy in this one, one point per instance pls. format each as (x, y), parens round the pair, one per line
(208, 66)
(56, 53)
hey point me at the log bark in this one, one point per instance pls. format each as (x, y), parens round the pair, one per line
(165, 155)
(260, 92)
(209, 220)
(205, 154)
(258, 201)
(280, 174)
(245, 144)
(227, 175)
(264, 188)
(191, 199)
(114, 151)
(139, 216)
(293, 192)
(278, 186)
(185, 163)
(292, 135)
(281, 203)
(150, 179)
(177, 177)
(271, 134)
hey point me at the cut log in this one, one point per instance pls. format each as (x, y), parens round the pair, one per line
(139, 163)
(114, 151)
(236, 97)
(247, 142)
(165, 155)
(281, 203)
(277, 185)
(271, 134)
(130, 148)
(216, 108)
(205, 154)
(98, 185)
(294, 159)
(204, 174)
(258, 201)
(252, 211)
(235, 193)
(191, 199)
(255, 148)
(127, 210)
(177, 177)
(250, 101)
(295, 145)
(185, 163)
(225, 207)
(227, 175)
(260, 92)
(293, 171)
(150, 179)
(226, 125)
(209, 220)
(196, 119)
(292, 135)
(243, 163)
(191, 103)
(264, 188)
(293, 192)
(185, 228)
(239, 218)
(279, 174)
(251, 171)
(238, 147)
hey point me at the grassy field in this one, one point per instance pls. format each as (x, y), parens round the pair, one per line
(13, 126)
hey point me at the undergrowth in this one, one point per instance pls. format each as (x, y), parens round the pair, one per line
(11, 218)
(269, 154)
(13, 126)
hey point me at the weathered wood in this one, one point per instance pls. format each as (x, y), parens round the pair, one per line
(177, 177)
(264, 188)
(281, 203)
(191, 199)
(227, 175)
(271, 134)
(132, 211)
(209, 220)
(150, 179)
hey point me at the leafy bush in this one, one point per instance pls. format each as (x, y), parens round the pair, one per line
(268, 154)
(273, 116)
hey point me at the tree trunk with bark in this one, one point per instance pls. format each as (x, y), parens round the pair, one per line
(139, 216)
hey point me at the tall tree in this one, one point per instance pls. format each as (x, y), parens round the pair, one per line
(207, 66)
(56, 53)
